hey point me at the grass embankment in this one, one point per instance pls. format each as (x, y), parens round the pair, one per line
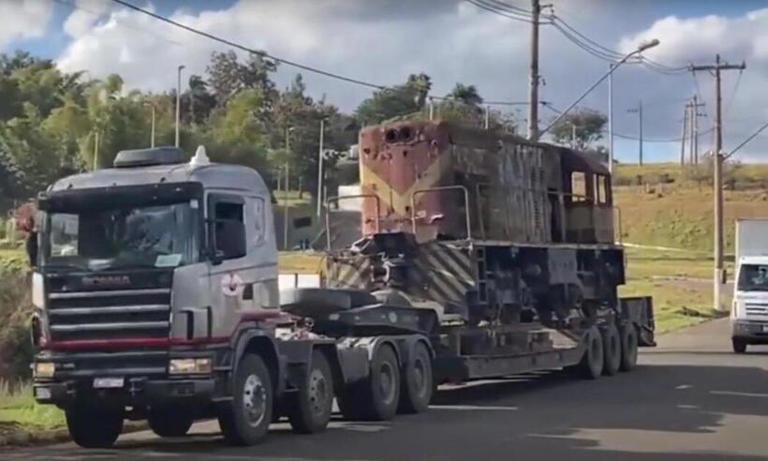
(18, 410)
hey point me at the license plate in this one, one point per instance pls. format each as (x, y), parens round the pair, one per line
(765, 328)
(108, 383)
(42, 393)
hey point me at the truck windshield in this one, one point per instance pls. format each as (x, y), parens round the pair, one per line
(753, 277)
(129, 237)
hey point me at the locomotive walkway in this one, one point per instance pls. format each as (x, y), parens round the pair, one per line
(691, 399)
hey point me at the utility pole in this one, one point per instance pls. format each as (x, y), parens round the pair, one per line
(152, 132)
(639, 112)
(286, 186)
(320, 158)
(610, 118)
(487, 123)
(719, 275)
(178, 102)
(533, 85)
(691, 130)
(685, 133)
(695, 128)
(96, 150)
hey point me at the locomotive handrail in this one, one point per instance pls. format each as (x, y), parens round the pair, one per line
(438, 189)
(337, 199)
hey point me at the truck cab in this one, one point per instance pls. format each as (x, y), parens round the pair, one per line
(749, 313)
(156, 296)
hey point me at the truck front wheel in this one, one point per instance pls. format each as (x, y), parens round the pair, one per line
(169, 421)
(309, 409)
(246, 418)
(94, 427)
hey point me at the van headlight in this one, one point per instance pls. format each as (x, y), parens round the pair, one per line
(198, 366)
(44, 370)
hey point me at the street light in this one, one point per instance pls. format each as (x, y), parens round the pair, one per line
(642, 47)
(152, 135)
(178, 101)
(286, 185)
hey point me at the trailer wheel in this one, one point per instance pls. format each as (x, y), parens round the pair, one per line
(628, 347)
(245, 420)
(739, 345)
(417, 386)
(169, 421)
(591, 365)
(309, 410)
(377, 397)
(611, 349)
(93, 427)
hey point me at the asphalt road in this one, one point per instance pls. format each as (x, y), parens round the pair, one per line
(691, 399)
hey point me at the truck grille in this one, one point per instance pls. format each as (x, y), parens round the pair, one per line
(114, 314)
(756, 309)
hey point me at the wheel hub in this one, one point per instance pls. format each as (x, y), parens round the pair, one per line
(318, 392)
(254, 400)
(387, 382)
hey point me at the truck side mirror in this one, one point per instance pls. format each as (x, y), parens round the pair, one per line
(32, 248)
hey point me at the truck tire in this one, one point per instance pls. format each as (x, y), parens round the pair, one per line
(246, 418)
(169, 421)
(309, 409)
(628, 347)
(377, 397)
(611, 349)
(591, 365)
(94, 427)
(418, 384)
(739, 345)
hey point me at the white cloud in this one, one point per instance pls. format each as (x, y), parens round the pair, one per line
(452, 41)
(84, 16)
(23, 19)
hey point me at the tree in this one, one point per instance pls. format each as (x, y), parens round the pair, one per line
(399, 101)
(227, 75)
(199, 100)
(587, 125)
(466, 94)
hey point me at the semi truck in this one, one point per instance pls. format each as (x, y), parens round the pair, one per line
(480, 255)
(749, 312)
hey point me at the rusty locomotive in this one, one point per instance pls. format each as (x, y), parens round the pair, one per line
(494, 228)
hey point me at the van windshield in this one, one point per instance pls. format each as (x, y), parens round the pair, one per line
(753, 277)
(121, 238)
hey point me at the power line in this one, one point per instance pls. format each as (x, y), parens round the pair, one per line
(501, 12)
(659, 140)
(733, 93)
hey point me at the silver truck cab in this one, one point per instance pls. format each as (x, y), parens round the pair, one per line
(154, 279)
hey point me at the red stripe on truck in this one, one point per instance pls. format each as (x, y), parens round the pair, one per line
(155, 343)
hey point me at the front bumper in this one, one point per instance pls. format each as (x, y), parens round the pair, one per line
(135, 392)
(752, 331)
(141, 378)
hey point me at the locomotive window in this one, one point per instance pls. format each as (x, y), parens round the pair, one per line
(601, 191)
(579, 186)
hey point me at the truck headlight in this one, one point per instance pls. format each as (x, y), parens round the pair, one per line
(44, 370)
(199, 366)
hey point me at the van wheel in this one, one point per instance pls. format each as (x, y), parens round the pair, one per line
(377, 397)
(591, 365)
(309, 409)
(169, 421)
(417, 386)
(93, 427)
(739, 345)
(245, 420)
(628, 347)
(611, 349)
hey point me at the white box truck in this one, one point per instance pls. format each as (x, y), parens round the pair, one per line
(749, 313)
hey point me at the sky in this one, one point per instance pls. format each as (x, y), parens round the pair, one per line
(383, 41)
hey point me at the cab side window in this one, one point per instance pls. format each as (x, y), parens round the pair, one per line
(228, 227)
